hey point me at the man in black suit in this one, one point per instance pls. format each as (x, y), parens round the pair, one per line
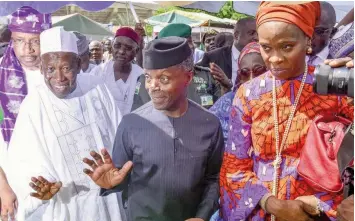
(223, 62)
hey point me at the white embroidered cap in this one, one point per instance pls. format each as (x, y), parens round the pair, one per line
(58, 40)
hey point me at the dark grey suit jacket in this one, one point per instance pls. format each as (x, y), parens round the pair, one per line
(220, 56)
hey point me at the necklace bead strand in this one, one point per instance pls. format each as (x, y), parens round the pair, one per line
(278, 159)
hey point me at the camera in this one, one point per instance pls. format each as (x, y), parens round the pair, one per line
(338, 81)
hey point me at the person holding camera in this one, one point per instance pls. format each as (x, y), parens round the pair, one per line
(270, 119)
(345, 210)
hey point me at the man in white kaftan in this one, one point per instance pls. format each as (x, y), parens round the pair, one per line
(119, 74)
(59, 124)
(122, 91)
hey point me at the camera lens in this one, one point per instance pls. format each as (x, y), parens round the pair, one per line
(338, 81)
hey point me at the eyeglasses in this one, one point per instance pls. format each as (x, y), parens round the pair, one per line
(256, 71)
(21, 43)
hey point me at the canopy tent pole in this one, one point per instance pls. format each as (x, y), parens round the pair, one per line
(127, 15)
(133, 12)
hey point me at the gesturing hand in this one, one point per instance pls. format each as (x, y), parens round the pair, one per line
(45, 190)
(140, 29)
(104, 173)
(219, 75)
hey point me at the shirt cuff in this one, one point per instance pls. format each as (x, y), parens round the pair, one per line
(116, 189)
(206, 209)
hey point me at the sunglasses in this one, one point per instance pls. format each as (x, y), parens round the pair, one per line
(256, 71)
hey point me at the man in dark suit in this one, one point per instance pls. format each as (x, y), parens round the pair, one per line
(223, 62)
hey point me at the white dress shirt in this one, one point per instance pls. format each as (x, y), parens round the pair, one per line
(318, 58)
(235, 56)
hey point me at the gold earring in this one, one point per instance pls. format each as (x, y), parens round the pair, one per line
(309, 50)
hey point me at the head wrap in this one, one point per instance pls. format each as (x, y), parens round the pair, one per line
(342, 43)
(165, 52)
(83, 43)
(303, 15)
(252, 47)
(13, 87)
(129, 33)
(29, 20)
(175, 29)
(58, 40)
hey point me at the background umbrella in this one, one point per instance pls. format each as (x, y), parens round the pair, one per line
(77, 22)
(8, 7)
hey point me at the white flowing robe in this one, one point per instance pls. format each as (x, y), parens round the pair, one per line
(51, 138)
(90, 69)
(123, 92)
(33, 78)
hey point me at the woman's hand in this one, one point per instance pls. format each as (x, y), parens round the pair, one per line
(345, 211)
(294, 210)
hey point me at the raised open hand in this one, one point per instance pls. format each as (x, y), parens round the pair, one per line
(104, 173)
(219, 75)
(45, 190)
(139, 28)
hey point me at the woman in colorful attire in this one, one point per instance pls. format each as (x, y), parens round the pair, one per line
(260, 105)
(251, 65)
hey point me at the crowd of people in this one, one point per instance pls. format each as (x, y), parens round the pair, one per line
(122, 129)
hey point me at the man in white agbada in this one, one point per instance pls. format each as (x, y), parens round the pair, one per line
(119, 74)
(58, 125)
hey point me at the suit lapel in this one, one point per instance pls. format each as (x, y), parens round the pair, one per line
(227, 56)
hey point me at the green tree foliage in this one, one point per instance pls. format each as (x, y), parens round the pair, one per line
(227, 11)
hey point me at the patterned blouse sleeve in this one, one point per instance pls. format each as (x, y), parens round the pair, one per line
(347, 107)
(240, 188)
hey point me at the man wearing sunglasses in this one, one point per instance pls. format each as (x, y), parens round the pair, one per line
(322, 34)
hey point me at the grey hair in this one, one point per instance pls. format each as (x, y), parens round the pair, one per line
(187, 65)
